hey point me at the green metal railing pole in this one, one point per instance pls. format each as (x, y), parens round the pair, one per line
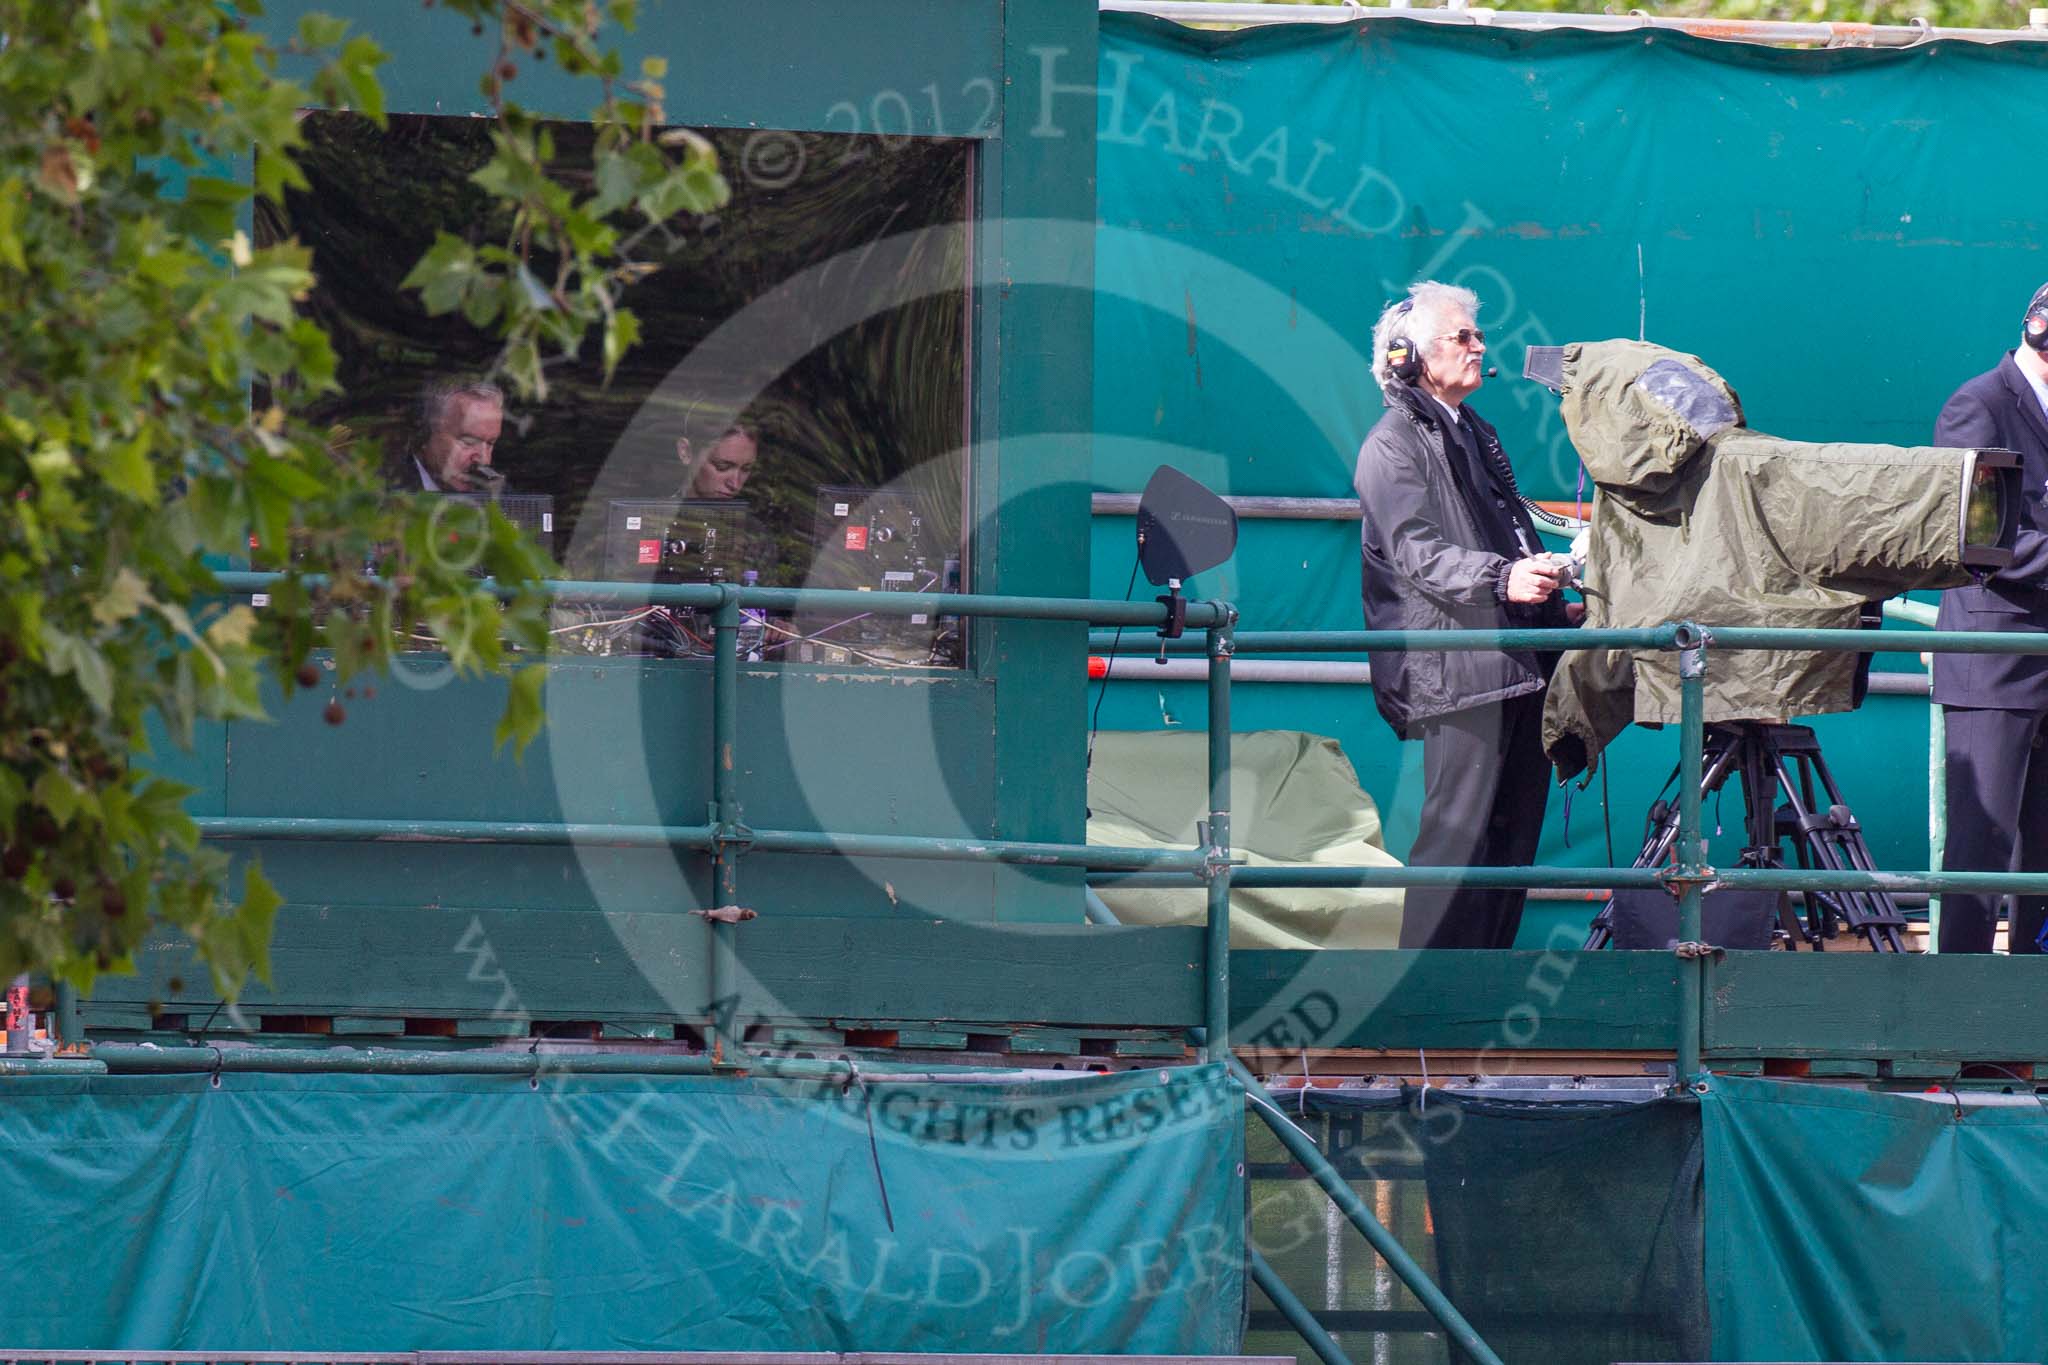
(1296, 1312)
(70, 1032)
(1216, 1013)
(1352, 1207)
(123, 1058)
(1937, 812)
(1692, 965)
(729, 845)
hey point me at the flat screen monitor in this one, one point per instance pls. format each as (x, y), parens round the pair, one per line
(661, 540)
(533, 513)
(878, 540)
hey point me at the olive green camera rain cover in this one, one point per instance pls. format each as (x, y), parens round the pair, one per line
(1698, 518)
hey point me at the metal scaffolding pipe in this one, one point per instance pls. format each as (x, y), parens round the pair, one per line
(1652, 637)
(1432, 641)
(318, 829)
(126, 1058)
(1096, 908)
(914, 846)
(1319, 672)
(1251, 507)
(1874, 641)
(1500, 878)
(707, 596)
(1296, 1312)
(1458, 15)
(28, 1064)
(1216, 999)
(730, 840)
(1385, 1243)
(1692, 857)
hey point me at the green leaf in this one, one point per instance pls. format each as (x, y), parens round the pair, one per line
(232, 628)
(126, 468)
(57, 794)
(443, 274)
(125, 596)
(621, 333)
(359, 62)
(254, 919)
(12, 199)
(158, 809)
(524, 712)
(67, 654)
(318, 30)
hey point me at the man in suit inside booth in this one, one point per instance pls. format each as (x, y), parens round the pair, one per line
(455, 427)
(1996, 706)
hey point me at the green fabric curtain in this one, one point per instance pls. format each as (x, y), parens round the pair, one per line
(360, 1213)
(1846, 1225)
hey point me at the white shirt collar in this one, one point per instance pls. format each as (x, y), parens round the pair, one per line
(2034, 381)
(426, 479)
(1453, 412)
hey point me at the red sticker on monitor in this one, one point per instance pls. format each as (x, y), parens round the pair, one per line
(650, 552)
(856, 537)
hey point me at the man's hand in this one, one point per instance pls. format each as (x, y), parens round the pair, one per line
(1533, 580)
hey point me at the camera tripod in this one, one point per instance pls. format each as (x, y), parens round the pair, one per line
(1771, 759)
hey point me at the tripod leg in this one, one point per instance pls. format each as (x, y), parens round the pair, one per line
(1760, 782)
(1835, 842)
(1717, 762)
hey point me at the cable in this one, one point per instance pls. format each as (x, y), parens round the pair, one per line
(1095, 719)
(1607, 814)
(1507, 471)
(823, 631)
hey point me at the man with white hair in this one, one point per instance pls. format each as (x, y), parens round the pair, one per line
(1447, 544)
(456, 425)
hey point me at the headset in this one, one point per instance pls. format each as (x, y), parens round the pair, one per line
(1404, 357)
(2034, 329)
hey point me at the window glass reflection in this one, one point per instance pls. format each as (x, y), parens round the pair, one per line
(794, 414)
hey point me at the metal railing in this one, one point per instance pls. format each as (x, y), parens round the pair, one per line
(726, 838)
(1691, 874)
(155, 1357)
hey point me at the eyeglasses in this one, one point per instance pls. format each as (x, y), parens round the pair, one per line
(1465, 336)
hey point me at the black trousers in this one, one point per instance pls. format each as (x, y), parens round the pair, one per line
(1485, 784)
(1997, 822)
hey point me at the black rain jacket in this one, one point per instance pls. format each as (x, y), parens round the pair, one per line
(1432, 551)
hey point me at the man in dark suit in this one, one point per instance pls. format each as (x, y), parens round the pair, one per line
(1996, 705)
(455, 428)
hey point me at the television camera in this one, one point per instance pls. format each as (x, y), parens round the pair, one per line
(1698, 517)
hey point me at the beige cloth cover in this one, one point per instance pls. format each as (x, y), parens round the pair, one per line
(1731, 527)
(1295, 798)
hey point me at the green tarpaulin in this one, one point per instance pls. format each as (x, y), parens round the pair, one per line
(1845, 1225)
(358, 1213)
